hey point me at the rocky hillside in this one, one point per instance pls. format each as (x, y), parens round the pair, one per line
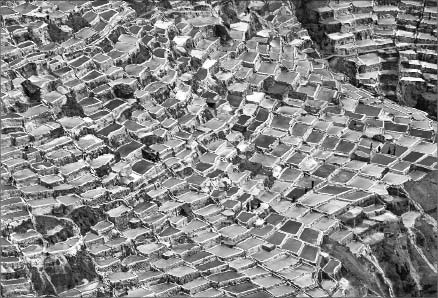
(424, 192)
(388, 47)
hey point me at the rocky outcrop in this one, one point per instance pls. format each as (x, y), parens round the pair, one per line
(392, 266)
(85, 217)
(229, 13)
(28, 70)
(416, 95)
(71, 108)
(105, 44)
(55, 229)
(77, 22)
(424, 192)
(358, 271)
(56, 34)
(31, 90)
(397, 259)
(115, 34)
(141, 7)
(67, 272)
(427, 102)
(41, 282)
(426, 238)
(123, 90)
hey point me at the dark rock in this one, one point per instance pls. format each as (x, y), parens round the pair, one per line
(123, 91)
(402, 263)
(41, 283)
(45, 223)
(105, 44)
(86, 217)
(141, 7)
(31, 90)
(357, 271)
(424, 192)
(77, 22)
(67, 272)
(30, 69)
(56, 34)
(115, 33)
(72, 108)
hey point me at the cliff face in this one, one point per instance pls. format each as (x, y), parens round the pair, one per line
(404, 266)
(41, 282)
(425, 247)
(418, 96)
(60, 273)
(57, 272)
(404, 261)
(408, 252)
(426, 238)
(422, 230)
(85, 217)
(401, 264)
(55, 229)
(424, 192)
(67, 272)
(358, 271)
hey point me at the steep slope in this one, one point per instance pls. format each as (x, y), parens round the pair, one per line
(425, 192)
